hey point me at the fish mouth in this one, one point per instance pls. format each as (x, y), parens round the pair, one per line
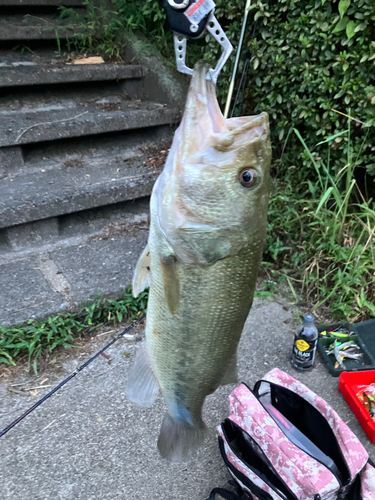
(203, 124)
(202, 116)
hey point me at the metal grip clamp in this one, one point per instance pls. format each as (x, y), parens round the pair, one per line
(190, 19)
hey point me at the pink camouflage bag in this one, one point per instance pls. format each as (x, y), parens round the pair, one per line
(283, 442)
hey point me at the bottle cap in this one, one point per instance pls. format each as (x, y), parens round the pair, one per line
(308, 320)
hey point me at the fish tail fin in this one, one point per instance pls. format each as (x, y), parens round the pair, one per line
(178, 436)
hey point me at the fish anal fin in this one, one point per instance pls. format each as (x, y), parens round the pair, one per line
(170, 282)
(142, 387)
(141, 278)
(231, 373)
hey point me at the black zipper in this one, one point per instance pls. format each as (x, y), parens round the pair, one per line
(295, 394)
(258, 473)
(261, 494)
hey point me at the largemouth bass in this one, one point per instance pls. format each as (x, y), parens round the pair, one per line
(207, 233)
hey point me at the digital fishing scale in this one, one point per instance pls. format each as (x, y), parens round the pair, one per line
(189, 19)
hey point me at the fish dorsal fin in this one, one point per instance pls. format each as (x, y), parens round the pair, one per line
(141, 278)
(170, 282)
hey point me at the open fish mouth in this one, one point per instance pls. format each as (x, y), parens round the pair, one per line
(203, 124)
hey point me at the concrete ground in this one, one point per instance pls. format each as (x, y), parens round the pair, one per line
(89, 442)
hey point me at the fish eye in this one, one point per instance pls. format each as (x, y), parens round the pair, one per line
(248, 177)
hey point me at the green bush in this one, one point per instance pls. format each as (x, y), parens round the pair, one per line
(309, 58)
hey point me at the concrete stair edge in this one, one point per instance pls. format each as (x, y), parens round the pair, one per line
(81, 121)
(89, 174)
(160, 81)
(35, 74)
(43, 3)
(64, 273)
(20, 33)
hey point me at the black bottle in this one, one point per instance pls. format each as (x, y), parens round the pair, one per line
(305, 343)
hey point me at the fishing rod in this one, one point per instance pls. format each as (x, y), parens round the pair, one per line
(76, 371)
(231, 85)
(243, 81)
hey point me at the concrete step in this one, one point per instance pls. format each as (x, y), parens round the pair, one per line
(38, 118)
(19, 27)
(21, 71)
(95, 251)
(57, 179)
(48, 3)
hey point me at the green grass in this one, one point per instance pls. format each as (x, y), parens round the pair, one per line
(35, 337)
(98, 31)
(321, 232)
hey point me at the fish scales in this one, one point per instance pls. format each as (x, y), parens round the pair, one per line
(207, 234)
(201, 338)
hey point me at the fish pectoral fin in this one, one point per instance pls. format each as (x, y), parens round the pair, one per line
(170, 282)
(231, 373)
(142, 387)
(141, 278)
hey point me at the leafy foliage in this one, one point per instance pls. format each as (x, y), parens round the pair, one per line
(34, 337)
(309, 59)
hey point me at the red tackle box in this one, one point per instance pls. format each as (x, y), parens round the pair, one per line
(350, 384)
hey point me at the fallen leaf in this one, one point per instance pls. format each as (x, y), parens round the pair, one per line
(126, 353)
(34, 393)
(89, 60)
